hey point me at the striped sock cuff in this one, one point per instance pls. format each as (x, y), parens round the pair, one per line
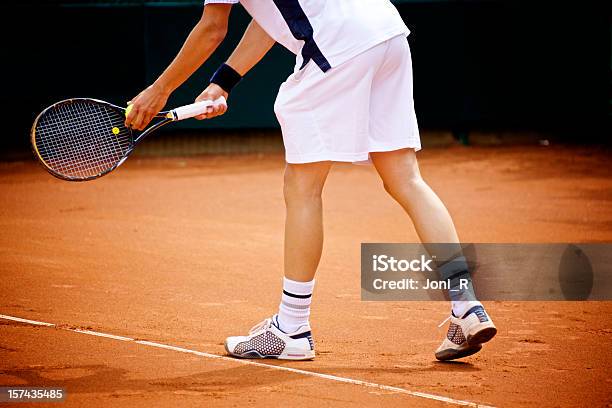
(294, 309)
(297, 289)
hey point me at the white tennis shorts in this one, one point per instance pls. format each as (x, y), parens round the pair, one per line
(364, 105)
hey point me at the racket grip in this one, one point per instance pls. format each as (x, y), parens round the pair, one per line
(195, 109)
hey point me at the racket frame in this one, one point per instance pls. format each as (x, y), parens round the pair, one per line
(165, 116)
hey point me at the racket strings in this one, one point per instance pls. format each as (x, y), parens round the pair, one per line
(82, 139)
(81, 161)
(80, 126)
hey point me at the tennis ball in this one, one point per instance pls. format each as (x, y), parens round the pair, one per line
(128, 110)
(115, 131)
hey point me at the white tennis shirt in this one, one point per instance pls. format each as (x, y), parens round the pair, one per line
(329, 32)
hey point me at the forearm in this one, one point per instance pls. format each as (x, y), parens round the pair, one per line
(200, 44)
(254, 45)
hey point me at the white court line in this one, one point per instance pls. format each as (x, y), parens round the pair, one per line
(255, 363)
(20, 320)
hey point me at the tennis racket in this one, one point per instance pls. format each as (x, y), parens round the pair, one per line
(83, 139)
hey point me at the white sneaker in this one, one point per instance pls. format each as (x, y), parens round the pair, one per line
(266, 340)
(465, 335)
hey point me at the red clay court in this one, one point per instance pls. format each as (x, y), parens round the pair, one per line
(175, 254)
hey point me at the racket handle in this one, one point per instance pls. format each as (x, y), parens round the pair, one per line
(195, 109)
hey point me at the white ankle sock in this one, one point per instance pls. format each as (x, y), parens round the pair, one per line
(460, 307)
(294, 309)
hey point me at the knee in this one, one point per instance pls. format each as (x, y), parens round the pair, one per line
(404, 186)
(301, 188)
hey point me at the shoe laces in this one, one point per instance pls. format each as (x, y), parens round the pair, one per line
(261, 326)
(445, 320)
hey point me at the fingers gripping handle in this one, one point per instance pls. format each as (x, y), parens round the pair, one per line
(195, 109)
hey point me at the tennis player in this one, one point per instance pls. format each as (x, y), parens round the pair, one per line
(349, 99)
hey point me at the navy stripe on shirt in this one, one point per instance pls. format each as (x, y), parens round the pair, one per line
(300, 27)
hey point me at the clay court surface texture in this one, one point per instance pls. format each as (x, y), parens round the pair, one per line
(175, 254)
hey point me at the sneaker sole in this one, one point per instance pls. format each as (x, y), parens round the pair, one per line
(286, 355)
(450, 354)
(481, 336)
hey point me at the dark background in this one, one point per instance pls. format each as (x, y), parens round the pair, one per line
(541, 66)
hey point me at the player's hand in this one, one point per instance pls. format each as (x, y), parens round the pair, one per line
(212, 93)
(145, 106)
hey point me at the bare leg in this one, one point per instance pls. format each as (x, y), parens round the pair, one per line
(304, 222)
(402, 180)
(400, 174)
(303, 246)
